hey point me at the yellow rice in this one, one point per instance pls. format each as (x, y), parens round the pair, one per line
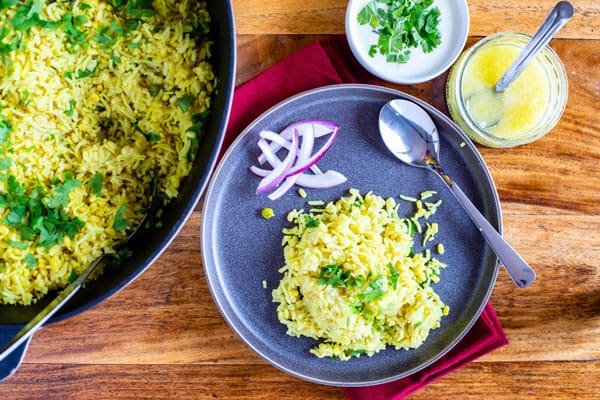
(134, 115)
(352, 280)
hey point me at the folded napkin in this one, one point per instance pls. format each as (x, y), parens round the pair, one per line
(328, 62)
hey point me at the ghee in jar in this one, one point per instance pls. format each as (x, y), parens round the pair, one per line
(527, 110)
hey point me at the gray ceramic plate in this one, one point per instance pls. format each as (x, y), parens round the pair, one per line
(241, 250)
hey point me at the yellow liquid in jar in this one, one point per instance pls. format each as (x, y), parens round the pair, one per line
(513, 113)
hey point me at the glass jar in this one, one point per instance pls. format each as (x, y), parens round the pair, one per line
(526, 111)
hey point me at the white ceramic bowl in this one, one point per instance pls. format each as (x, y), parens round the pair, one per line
(421, 67)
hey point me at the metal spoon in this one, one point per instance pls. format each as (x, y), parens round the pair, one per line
(68, 292)
(558, 17)
(411, 135)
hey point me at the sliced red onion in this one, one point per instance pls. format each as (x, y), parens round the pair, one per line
(306, 164)
(325, 180)
(306, 147)
(285, 174)
(279, 173)
(318, 127)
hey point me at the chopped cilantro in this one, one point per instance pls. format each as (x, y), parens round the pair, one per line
(7, 3)
(116, 28)
(72, 276)
(311, 222)
(5, 163)
(30, 260)
(198, 121)
(61, 193)
(134, 45)
(335, 276)
(139, 8)
(401, 26)
(394, 275)
(104, 38)
(5, 130)
(38, 214)
(152, 137)
(17, 245)
(185, 103)
(154, 90)
(120, 223)
(25, 98)
(69, 111)
(96, 182)
(355, 353)
(84, 73)
(374, 291)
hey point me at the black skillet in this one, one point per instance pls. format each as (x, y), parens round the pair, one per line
(149, 245)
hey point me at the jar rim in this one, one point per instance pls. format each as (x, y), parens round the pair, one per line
(551, 65)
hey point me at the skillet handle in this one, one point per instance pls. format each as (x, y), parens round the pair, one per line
(11, 363)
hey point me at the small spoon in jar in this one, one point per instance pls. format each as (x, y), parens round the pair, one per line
(489, 116)
(558, 17)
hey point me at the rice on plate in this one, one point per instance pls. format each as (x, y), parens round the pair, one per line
(98, 99)
(352, 278)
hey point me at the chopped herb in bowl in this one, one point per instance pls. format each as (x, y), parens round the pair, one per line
(401, 25)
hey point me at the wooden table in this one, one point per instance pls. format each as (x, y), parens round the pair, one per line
(162, 337)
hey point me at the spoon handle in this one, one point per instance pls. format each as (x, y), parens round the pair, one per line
(558, 17)
(520, 272)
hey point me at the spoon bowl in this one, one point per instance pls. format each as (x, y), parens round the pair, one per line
(411, 135)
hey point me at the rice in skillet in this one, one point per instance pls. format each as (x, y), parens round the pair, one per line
(96, 98)
(352, 280)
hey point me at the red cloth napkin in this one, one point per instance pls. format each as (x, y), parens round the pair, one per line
(330, 62)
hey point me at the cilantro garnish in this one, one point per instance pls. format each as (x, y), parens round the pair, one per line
(38, 215)
(394, 275)
(72, 276)
(152, 137)
(401, 25)
(96, 182)
(30, 260)
(374, 290)
(120, 223)
(84, 73)
(5, 163)
(69, 111)
(197, 121)
(335, 276)
(311, 222)
(185, 103)
(5, 130)
(16, 244)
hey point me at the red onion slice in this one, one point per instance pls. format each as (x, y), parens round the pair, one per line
(279, 173)
(325, 180)
(285, 174)
(306, 164)
(318, 127)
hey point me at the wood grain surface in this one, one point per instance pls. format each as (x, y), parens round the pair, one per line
(163, 338)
